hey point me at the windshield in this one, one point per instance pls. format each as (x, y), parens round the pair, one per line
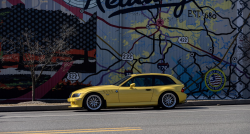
(121, 80)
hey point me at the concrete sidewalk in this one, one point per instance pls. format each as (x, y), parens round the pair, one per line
(64, 106)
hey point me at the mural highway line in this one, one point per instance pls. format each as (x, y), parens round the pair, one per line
(225, 54)
(201, 22)
(112, 48)
(200, 30)
(73, 11)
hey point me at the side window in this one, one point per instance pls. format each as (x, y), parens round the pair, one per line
(127, 84)
(143, 81)
(139, 81)
(163, 80)
(158, 82)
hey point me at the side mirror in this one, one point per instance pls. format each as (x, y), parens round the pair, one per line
(132, 85)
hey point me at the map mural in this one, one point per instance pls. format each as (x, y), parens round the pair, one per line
(197, 41)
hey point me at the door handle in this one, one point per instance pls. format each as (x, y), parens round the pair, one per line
(148, 89)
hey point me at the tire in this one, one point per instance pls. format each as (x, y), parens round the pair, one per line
(168, 100)
(93, 102)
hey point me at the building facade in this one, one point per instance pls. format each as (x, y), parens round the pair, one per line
(200, 42)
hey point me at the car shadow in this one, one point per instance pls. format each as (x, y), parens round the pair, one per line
(143, 109)
(191, 107)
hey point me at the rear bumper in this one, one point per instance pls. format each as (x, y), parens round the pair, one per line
(182, 97)
(75, 102)
(183, 102)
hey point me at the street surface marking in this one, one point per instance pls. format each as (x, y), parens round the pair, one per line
(127, 113)
(76, 131)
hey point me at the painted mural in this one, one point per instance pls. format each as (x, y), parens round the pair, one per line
(197, 41)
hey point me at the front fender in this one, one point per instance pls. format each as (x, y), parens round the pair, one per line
(78, 101)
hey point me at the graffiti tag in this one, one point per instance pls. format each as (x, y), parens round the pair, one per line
(111, 4)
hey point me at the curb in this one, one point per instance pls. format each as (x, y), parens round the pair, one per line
(34, 108)
(215, 102)
(66, 107)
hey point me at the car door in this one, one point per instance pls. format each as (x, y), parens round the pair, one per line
(142, 92)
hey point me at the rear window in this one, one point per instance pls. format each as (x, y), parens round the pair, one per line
(163, 80)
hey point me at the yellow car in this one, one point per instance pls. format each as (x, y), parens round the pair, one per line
(152, 89)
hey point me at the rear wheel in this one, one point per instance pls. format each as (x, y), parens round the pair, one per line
(168, 100)
(93, 102)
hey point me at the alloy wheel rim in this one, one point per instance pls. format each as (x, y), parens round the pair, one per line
(168, 100)
(94, 102)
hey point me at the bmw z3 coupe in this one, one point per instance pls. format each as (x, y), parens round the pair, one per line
(151, 89)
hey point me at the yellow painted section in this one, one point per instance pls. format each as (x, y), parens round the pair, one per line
(167, 47)
(188, 56)
(172, 72)
(145, 53)
(135, 36)
(138, 24)
(137, 64)
(224, 5)
(114, 77)
(192, 5)
(153, 54)
(125, 43)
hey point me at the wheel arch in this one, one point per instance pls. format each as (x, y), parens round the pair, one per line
(89, 93)
(168, 91)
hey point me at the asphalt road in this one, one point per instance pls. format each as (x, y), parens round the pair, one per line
(224, 119)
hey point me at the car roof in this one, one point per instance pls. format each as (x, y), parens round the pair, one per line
(158, 74)
(150, 74)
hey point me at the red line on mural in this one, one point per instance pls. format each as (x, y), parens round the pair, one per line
(114, 25)
(143, 37)
(199, 48)
(15, 2)
(76, 11)
(204, 51)
(45, 88)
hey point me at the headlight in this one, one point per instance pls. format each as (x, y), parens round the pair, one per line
(76, 95)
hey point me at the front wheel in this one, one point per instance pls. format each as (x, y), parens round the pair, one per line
(93, 102)
(168, 100)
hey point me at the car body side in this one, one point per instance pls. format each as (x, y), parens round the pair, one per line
(111, 96)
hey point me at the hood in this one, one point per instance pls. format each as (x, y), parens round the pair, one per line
(93, 88)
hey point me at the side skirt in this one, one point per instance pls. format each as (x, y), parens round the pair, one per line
(132, 104)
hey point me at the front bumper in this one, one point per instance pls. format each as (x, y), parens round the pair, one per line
(75, 102)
